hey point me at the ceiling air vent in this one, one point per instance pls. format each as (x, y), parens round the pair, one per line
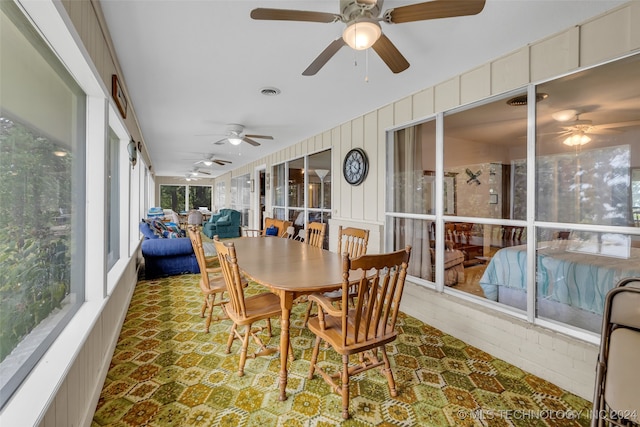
(522, 99)
(270, 91)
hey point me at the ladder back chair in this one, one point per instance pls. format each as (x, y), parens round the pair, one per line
(211, 281)
(245, 311)
(352, 241)
(315, 234)
(365, 328)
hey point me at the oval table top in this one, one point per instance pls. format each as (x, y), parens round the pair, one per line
(288, 265)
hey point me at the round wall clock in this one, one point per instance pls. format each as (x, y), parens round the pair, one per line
(355, 166)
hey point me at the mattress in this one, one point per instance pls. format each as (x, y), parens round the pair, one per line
(574, 278)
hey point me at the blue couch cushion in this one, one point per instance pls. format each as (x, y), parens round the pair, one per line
(146, 230)
(167, 247)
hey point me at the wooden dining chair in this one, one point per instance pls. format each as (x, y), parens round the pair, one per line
(211, 281)
(352, 241)
(245, 311)
(365, 328)
(315, 234)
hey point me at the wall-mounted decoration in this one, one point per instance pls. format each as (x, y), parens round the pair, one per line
(118, 96)
(355, 166)
(133, 152)
(473, 177)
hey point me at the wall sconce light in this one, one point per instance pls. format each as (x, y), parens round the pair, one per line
(133, 152)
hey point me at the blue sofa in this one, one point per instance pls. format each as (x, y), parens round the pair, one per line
(226, 224)
(166, 256)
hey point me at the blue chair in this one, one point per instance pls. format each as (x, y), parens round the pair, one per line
(225, 224)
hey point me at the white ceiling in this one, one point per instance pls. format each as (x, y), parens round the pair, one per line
(192, 67)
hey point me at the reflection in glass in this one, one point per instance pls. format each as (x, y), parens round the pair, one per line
(241, 196)
(296, 183)
(42, 197)
(320, 178)
(485, 151)
(590, 182)
(412, 180)
(483, 253)
(221, 195)
(576, 269)
(417, 233)
(278, 185)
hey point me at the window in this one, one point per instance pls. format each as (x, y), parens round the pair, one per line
(220, 195)
(42, 128)
(241, 196)
(302, 191)
(467, 217)
(279, 191)
(587, 149)
(113, 200)
(199, 196)
(173, 197)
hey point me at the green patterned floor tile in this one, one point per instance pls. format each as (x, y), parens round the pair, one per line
(166, 371)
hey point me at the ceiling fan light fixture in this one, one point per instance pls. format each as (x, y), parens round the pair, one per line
(235, 140)
(207, 162)
(361, 35)
(576, 139)
(564, 115)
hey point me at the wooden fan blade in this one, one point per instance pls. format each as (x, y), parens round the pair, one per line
(435, 9)
(293, 15)
(251, 141)
(221, 162)
(324, 57)
(259, 136)
(390, 54)
(220, 142)
(204, 172)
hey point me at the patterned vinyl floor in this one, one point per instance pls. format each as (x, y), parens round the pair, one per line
(166, 371)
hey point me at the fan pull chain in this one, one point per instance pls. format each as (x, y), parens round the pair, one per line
(366, 66)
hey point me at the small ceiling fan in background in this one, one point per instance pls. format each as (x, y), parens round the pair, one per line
(195, 173)
(236, 135)
(210, 160)
(362, 19)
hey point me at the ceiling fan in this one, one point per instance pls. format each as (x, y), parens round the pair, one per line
(576, 130)
(210, 160)
(362, 19)
(236, 135)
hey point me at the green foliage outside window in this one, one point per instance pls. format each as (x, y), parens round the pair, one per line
(35, 258)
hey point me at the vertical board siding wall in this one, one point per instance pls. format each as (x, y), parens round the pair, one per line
(566, 361)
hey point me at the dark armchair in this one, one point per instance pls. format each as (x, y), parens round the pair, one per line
(225, 224)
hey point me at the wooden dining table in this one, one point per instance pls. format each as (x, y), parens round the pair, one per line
(289, 269)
